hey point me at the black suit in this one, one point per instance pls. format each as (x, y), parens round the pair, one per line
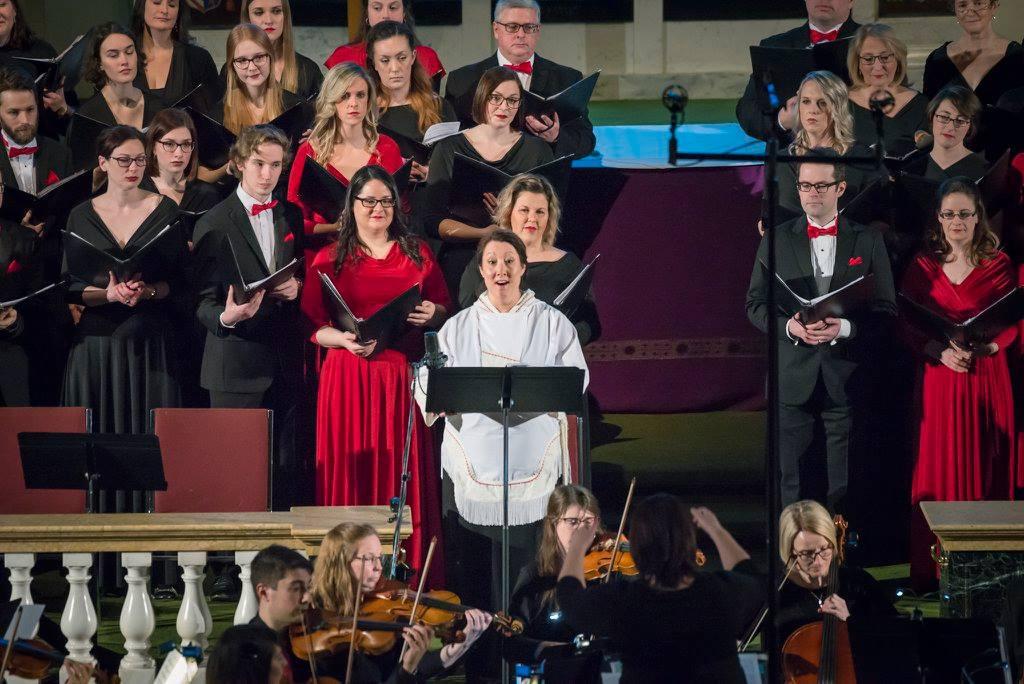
(258, 362)
(825, 381)
(748, 109)
(575, 137)
(47, 319)
(19, 275)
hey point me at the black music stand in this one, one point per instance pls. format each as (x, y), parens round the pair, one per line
(502, 390)
(59, 460)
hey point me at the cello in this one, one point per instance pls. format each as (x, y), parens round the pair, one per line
(819, 652)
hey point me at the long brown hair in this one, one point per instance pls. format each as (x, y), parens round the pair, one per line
(349, 244)
(984, 245)
(662, 540)
(424, 101)
(236, 98)
(178, 33)
(333, 586)
(163, 123)
(326, 126)
(550, 554)
(283, 49)
(22, 34)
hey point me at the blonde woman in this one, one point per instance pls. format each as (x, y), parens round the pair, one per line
(529, 207)
(877, 62)
(351, 558)
(808, 547)
(344, 139)
(295, 72)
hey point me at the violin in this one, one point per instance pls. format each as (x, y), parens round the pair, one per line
(323, 633)
(820, 651)
(598, 561)
(439, 609)
(29, 659)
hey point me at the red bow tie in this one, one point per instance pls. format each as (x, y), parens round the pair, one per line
(13, 152)
(522, 67)
(258, 209)
(814, 231)
(819, 37)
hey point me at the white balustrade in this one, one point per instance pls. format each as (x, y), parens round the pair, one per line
(20, 566)
(194, 621)
(248, 603)
(137, 620)
(78, 621)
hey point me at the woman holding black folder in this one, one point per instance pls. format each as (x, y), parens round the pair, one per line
(952, 120)
(123, 359)
(497, 140)
(966, 444)
(529, 207)
(363, 401)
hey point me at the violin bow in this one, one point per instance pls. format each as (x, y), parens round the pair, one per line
(10, 644)
(756, 627)
(309, 645)
(419, 591)
(357, 599)
(622, 526)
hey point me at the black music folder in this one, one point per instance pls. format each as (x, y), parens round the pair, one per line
(570, 104)
(43, 290)
(53, 200)
(321, 190)
(384, 326)
(93, 265)
(419, 150)
(906, 204)
(787, 67)
(215, 140)
(978, 329)
(82, 134)
(575, 293)
(994, 185)
(50, 70)
(245, 291)
(471, 178)
(840, 303)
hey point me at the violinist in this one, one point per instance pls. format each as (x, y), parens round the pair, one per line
(350, 552)
(280, 579)
(674, 623)
(807, 544)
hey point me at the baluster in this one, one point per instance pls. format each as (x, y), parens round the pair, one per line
(20, 566)
(248, 603)
(78, 621)
(137, 620)
(194, 621)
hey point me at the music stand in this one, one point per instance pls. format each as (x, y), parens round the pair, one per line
(60, 460)
(494, 390)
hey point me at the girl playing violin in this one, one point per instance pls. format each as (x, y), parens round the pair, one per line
(350, 552)
(675, 623)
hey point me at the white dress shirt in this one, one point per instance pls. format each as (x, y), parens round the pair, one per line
(24, 165)
(262, 225)
(823, 265)
(525, 79)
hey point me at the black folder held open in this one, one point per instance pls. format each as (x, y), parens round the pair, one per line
(471, 178)
(384, 326)
(787, 67)
(1007, 310)
(151, 261)
(215, 140)
(575, 293)
(53, 200)
(840, 303)
(570, 104)
(419, 150)
(24, 298)
(325, 193)
(246, 290)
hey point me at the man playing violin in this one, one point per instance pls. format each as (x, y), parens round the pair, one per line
(280, 578)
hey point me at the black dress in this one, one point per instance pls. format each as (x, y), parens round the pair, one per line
(899, 129)
(533, 602)
(1006, 74)
(527, 153)
(96, 107)
(191, 67)
(404, 120)
(972, 166)
(123, 360)
(18, 277)
(310, 78)
(686, 635)
(547, 279)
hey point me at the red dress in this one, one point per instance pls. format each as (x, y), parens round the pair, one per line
(356, 53)
(966, 445)
(363, 404)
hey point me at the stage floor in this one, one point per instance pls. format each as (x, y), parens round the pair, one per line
(646, 146)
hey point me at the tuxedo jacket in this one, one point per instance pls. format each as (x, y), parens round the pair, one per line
(575, 138)
(748, 109)
(19, 275)
(859, 251)
(246, 358)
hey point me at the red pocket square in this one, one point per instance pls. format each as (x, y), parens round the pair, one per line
(855, 261)
(13, 267)
(52, 178)
(289, 237)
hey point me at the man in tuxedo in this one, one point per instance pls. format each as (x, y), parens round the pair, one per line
(516, 28)
(30, 162)
(824, 367)
(826, 20)
(252, 357)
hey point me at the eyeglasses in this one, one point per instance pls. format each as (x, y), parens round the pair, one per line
(244, 62)
(371, 202)
(963, 214)
(497, 98)
(576, 522)
(958, 122)
(977, 5)
(869, 60)
(514, 28)
(126, 162)
(370, 560)
(171, 146)
(806, 558)
(820, 187)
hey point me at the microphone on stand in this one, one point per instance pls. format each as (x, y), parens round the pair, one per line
(675, 98)
(881, 102)
(433, 357)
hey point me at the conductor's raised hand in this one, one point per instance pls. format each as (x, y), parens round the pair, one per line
(422, 314)
(705, 519)
(236, 313)
(286, 291)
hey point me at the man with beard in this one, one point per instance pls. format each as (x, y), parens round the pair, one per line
(30, 162)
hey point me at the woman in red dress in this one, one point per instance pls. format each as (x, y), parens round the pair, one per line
(363, 401)
(344, 139)
(374, 12)
(966, 449)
